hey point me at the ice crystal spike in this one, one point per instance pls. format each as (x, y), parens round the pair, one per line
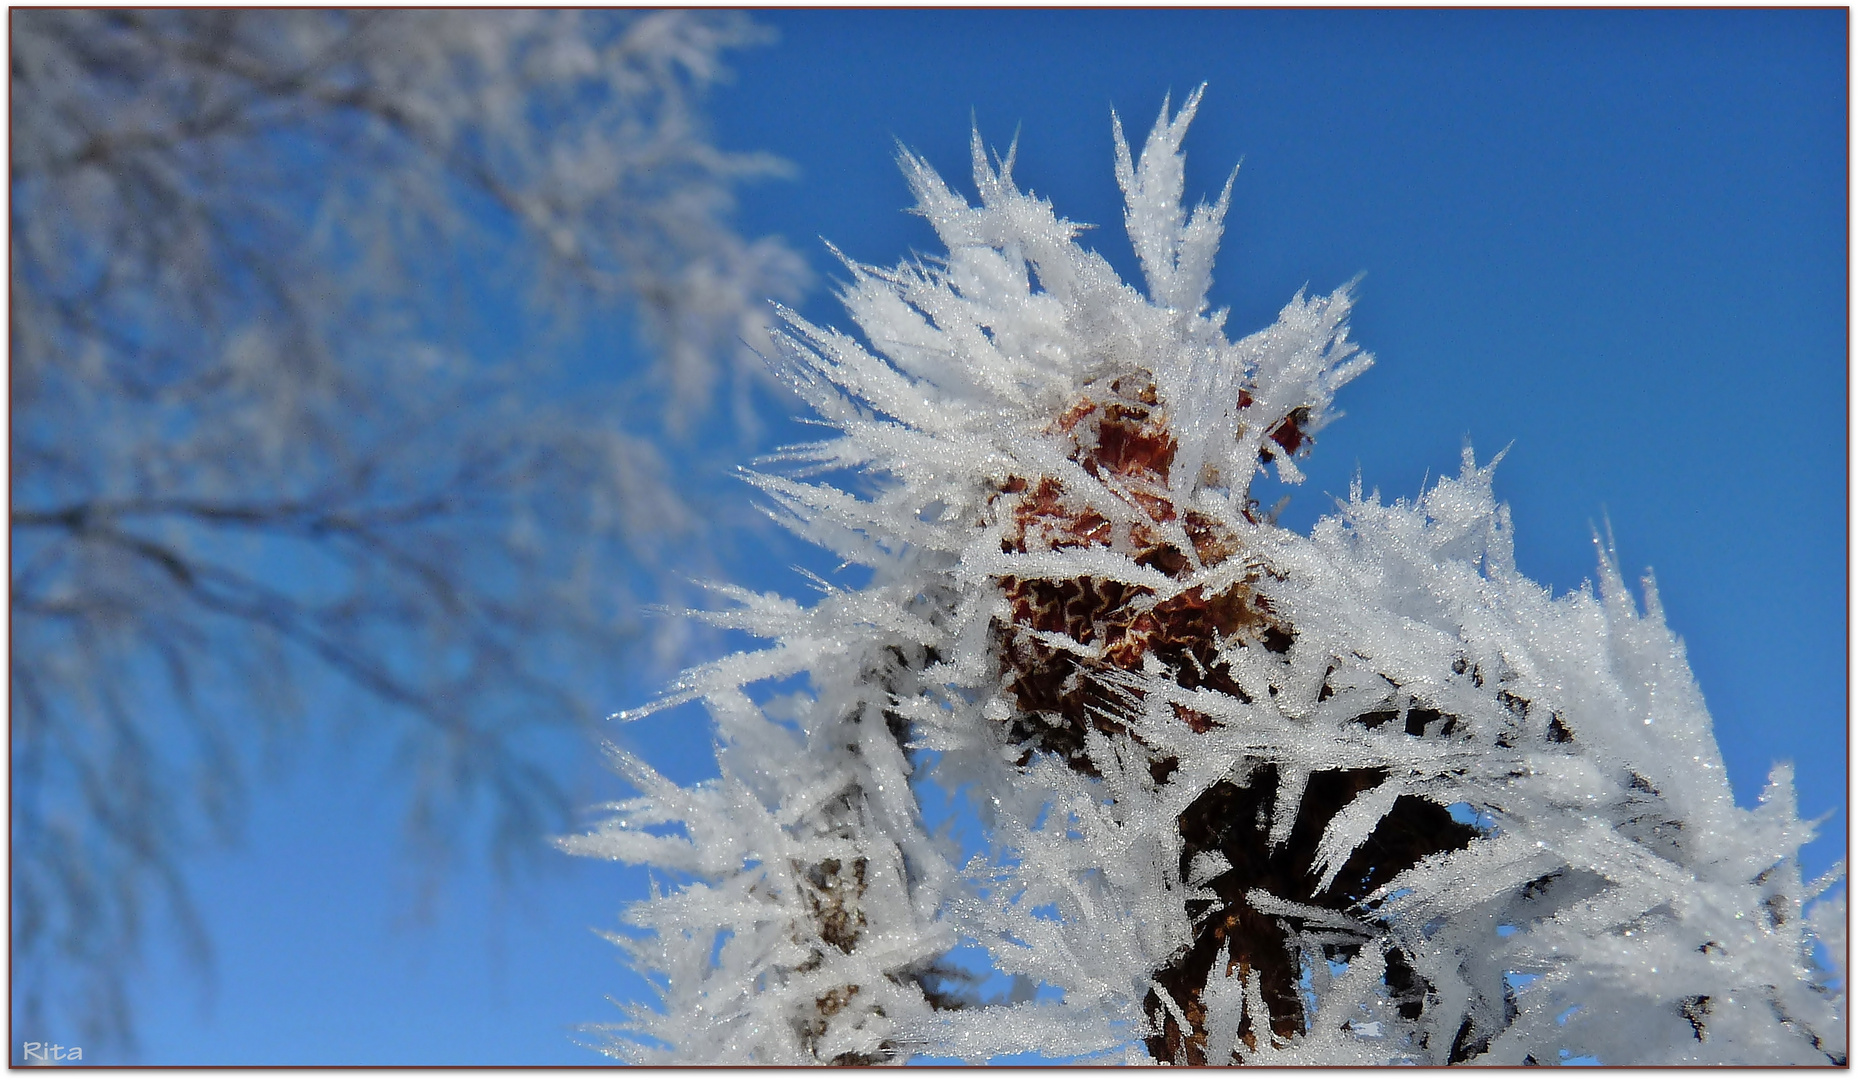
(1363, 796)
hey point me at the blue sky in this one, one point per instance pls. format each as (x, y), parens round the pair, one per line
(1615, 241)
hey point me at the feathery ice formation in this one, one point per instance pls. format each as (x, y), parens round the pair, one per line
(1365, 796)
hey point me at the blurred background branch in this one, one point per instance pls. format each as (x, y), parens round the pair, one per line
(279, 462)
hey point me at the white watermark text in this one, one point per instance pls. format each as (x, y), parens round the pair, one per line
(38, 1051)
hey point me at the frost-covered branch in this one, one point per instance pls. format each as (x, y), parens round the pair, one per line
(1365, 796)
(264, 464)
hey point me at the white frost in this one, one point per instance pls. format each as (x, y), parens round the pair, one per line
(1613, 902)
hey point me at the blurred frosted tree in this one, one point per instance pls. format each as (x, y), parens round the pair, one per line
(1363, 797)
(266, 468)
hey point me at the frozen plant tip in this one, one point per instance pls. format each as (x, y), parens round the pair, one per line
(1365, 796)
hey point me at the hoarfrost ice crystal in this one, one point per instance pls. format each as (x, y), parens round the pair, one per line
(1363, 796)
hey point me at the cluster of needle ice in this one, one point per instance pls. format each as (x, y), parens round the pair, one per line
(1604, 896)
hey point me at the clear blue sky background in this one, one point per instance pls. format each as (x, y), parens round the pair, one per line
(1614, 239)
